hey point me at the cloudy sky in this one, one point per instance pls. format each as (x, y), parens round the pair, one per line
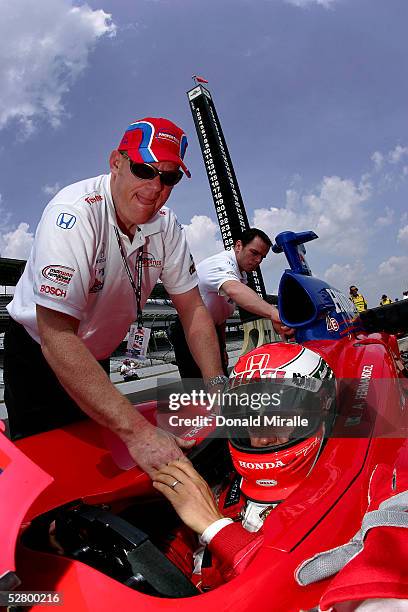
(312, 96)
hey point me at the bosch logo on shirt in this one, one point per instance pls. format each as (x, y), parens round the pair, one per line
(55, 291)
(66, 221)
(58, 274)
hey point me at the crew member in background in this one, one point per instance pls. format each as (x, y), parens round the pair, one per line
(99, 249)
(222, 283)
(358, 299)
(385, 300)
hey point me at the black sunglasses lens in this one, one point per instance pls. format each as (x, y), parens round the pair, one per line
(169, 178)
(142, 171)
(145, 171)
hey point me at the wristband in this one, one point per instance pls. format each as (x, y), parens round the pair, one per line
(214, 381)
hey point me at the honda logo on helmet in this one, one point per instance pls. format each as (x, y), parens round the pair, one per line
(259, 361)
(261, 466)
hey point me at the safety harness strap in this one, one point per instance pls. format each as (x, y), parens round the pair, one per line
(391, 513)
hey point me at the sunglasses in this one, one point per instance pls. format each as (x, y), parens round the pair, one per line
(169, 178)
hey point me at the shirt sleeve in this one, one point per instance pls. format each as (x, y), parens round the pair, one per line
(216, 272)
(178, 273)
(232, 550)
(62, 260)
(212, 530)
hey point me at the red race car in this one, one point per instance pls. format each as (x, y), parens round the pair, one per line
(74, 523)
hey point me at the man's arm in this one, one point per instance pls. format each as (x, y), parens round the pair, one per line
(248, 299)
(89, 386)
(199, 331)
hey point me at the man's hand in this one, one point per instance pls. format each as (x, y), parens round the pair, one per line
(278, 326)
(188, 493)
(152, 448)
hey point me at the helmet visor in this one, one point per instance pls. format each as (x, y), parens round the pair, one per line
(270, 414)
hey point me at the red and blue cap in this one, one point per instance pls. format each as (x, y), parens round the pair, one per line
(154, 139)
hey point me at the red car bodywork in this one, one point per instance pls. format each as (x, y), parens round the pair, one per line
(324, 511)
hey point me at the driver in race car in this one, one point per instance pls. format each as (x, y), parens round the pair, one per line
(269, 462)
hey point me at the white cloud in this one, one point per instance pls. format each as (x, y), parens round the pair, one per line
(306, 3)
(44, 47)
(342, 276)
(389, 166)
(394, 266)
(202, 237)
(395, 156)
(51, 190)
(403, 235)
(334, 211)
(4, 217)
(17, 244)
(378, 159)
(386, 219)
(292, 199)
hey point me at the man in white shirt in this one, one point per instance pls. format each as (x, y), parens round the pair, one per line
(99, 249)
(222, 283)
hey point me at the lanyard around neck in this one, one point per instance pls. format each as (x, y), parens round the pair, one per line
(139, 268)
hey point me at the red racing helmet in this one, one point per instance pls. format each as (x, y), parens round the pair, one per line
(284, 406)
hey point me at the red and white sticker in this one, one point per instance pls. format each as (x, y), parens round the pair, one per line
(332, 325)
(58, 274)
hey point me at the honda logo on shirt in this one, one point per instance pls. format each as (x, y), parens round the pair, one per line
(66, 221)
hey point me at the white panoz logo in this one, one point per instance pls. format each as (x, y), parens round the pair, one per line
(267, 483)
(66, 221)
